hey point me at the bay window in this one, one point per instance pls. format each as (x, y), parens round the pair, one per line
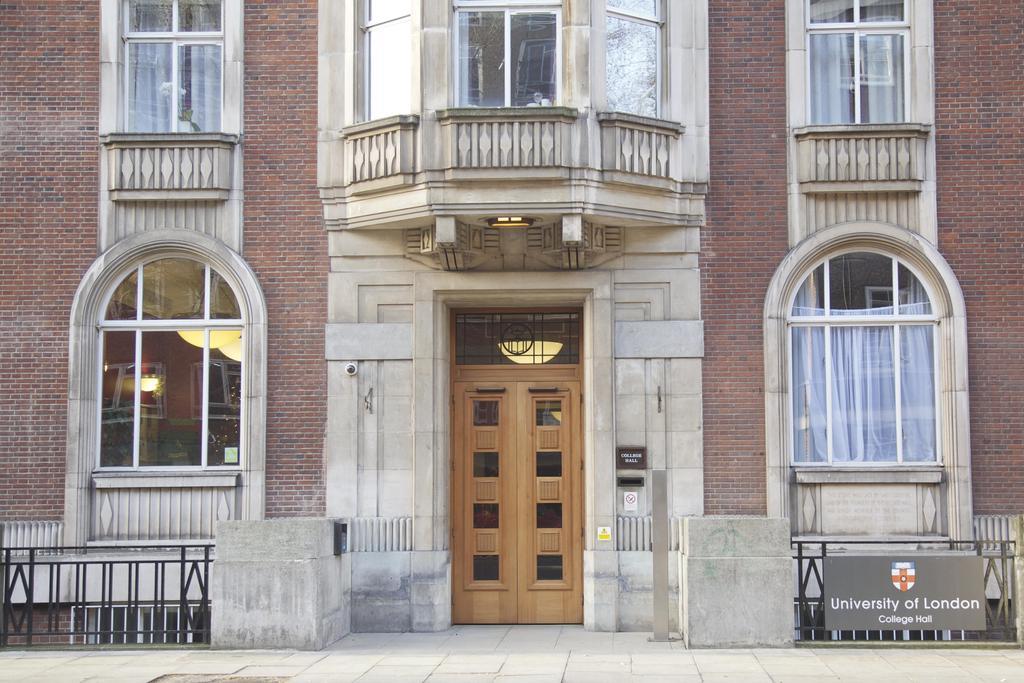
(862, 360)
(171, 390)
(858, 52)
(388, 35)
(173, 61)
(507, 56)
(633, 56)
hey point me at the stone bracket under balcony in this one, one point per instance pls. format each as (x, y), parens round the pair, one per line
(862, 158)
(169, 167)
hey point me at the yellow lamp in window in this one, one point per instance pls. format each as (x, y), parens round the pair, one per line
(150, 383)
(533, 353)
(218, 338)
(232, 350)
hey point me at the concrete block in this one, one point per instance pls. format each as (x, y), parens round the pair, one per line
(368, 341)
(381, 592)
(735, 537)
(278, 584)
(659, 339)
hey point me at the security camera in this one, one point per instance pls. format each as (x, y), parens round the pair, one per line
(351, 368)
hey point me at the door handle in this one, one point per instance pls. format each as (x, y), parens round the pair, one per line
(490, 390)
(543, 390)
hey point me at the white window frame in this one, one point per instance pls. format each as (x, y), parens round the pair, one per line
(138, 326)
(857, 28)
(367, 27)
(895, 321)
(658, 22)
(175, 39)
(509, 7)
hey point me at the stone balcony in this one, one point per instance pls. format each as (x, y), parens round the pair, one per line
(864, 158)
(547, 163)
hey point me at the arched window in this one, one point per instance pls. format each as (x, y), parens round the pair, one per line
(171, 390)
(862, 341)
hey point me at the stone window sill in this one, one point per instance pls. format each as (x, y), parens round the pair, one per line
(567, 114)
(164, 480)
(882, 475)
(645, 122)
(387, 123)
(168, 139)
(858, 130)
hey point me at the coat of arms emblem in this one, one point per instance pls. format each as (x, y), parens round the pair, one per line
(903, 576)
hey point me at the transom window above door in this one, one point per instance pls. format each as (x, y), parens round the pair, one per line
(173, 65)
(507, 55)
(858, 57)
(512, 338)
(863, 365)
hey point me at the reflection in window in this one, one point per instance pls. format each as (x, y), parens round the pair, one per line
(485, 567)
(494, 40)
(388, 30)
(485, 464)
(549, 515)
(174, 66)
(862, 364)
(485, 413)
(549, 567)
(485, 515)
(857, 53)
(632, 56)
(549, 464)
(171, 396)
(549, 413)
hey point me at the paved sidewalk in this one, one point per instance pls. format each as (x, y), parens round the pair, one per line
(520, 654)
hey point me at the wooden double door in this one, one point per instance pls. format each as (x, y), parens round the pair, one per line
(517, 518)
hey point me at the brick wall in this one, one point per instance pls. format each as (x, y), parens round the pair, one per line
(744, 240)
(48, 187)
(286, 244)
(979, 64)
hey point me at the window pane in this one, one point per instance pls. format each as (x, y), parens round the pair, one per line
(149, 87)
(117, 424)
(199, 102)
(863, 395)
(122, 304)
(810, 408)
(534, 55)
(881, 10)
(549, 515)
(632, 63)
(549, 464)
(648, 8)
(485, 413)
(831, 78)
(917, 392)
(481, 59)
(861, 284)
(549, 413)
(382, 10)
(223, 445)
(485, 515)
(389, 48)
(913, 296)
(831, 11)
(150, 15)
(517, 338)
(810, 300)
(485, 567)
(882, 81)
(223, 304)
(173, 289)
(485, 464)
(171, 405)
(199, 15)
(549, 567)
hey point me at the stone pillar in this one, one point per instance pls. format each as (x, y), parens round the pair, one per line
(736, 582)
(1017, 534)
(278, 584)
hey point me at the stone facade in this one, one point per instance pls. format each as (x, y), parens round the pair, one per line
(682, 240)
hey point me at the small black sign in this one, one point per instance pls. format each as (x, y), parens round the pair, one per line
(631, 458)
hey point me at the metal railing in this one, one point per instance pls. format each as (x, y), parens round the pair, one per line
(809, 603)
(96, 595)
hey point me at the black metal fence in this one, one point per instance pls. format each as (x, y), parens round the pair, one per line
(809, 604)
(89, 595)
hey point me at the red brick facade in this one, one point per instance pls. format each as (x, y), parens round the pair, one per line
(979, 94)
(49, 160)
(48, 193)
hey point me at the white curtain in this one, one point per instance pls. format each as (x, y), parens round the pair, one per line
(881, 94)
(810, 442)
(863, 395)
(149, 87)
(917, 392)
(832, 78)
(199, 67)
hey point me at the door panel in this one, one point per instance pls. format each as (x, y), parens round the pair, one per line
(516, 516)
